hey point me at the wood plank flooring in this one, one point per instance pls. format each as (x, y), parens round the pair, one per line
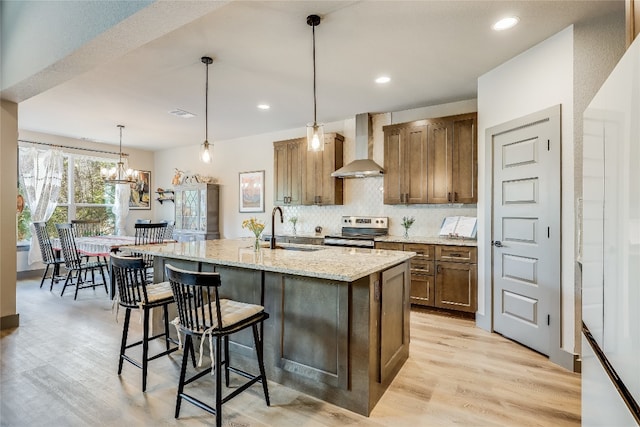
(59, 368)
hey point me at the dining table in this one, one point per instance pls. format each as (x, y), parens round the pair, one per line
(99, 246)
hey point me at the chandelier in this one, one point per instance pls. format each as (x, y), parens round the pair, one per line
(121, 173)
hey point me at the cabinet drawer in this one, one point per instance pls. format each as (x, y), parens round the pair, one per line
(457, 254)
(422, 267)
(424, 252)
(389, 246)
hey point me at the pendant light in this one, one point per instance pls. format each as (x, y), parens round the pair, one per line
(205, 151)
(121, 173)
(315, 130)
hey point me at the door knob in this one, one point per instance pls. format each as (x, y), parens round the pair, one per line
(497, 244)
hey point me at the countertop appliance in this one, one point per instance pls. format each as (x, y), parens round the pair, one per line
(359, 231)
(610, 255)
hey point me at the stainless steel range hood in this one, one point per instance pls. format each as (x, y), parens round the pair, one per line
(363, 166)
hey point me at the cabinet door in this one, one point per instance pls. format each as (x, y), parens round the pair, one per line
(296, 170)
(393, 161)
(394, 319)
(415, 164)
(422, 289)
(464, 161)
(456, 286)
(320, 188)
(280, 174)
(288, 169)
(439, 162)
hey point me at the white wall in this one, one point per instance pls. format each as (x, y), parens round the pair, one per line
(361, 196)
(537, 79)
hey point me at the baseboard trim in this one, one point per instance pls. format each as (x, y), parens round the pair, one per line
(10, 321)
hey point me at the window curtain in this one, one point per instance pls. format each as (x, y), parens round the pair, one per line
(41, 177)
(121, 208)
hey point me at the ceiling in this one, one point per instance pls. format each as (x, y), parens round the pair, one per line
(434, 51)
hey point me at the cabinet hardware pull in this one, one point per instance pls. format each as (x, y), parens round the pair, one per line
(401, 197)
(439, 269)
(455, 196)
(455, 255)
(448, 196)
(406, 198)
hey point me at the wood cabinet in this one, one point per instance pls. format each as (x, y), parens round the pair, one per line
(431, 161)
(441, 276)
(288, 170)
(196, 212)
(452, 160)
(456, 278)
(405, 163)
(319, 187)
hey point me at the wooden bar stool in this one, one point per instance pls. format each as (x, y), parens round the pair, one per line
(203, 314)
(135, 294)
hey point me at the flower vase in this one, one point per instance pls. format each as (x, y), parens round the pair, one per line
(256, 244)
(406, 233)
(294, 228)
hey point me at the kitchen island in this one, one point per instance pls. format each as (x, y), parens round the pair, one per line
(339, 317)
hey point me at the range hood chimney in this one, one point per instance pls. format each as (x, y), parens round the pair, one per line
(363, 166)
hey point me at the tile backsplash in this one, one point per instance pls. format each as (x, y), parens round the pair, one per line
(364, 196)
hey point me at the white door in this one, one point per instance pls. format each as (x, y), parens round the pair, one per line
(526, 230)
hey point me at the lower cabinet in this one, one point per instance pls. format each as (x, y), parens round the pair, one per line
(442, 276)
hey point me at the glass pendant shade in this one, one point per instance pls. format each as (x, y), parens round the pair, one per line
(205, 152)
(315, 137)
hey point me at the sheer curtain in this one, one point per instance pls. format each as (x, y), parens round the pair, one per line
(41, 177)
(121, 208)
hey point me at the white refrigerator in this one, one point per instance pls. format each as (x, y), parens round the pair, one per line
(610, 249)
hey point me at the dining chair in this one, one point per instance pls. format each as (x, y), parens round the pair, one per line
(168, 233)
(146, 234)
(76, 264)
(49, 256)
(87, 228)
(135, 294)
(202, 314)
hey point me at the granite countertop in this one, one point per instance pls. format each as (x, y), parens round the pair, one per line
(433, 240)
(324, 262)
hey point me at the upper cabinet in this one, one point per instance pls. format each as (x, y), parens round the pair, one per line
(288, 169)
(405, 163)
(452, 160)
(304, 178)
(320, 188)
(431, 161)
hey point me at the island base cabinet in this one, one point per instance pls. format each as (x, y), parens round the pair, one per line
(456, 286)
(342, 342)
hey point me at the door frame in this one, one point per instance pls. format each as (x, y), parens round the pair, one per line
(557, 354)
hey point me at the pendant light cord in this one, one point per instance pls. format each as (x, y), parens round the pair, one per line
(206, 105)
(313, 31)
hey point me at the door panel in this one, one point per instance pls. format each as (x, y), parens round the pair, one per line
(526, 221)
(439, 160)
(393, 186)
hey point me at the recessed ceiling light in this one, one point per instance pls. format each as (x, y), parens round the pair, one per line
(181, 113)
(383, 79)
(264, 106)
(506, 23)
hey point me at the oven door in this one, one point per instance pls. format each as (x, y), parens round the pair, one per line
(349, 243)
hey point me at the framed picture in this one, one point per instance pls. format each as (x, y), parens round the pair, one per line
(252, 191)
(140, 196)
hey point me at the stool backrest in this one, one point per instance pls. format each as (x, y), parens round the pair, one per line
(48, 256)
(129, 275)
(72, 259)
(196, 297)
(86, 227)
(146, 234)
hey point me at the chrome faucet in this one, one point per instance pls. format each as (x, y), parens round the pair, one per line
(272, 242)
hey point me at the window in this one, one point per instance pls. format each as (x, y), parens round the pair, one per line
(83, 195)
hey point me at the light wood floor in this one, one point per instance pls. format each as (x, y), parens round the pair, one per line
(59, 369)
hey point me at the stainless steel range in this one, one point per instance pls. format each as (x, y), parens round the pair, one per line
(359, 232)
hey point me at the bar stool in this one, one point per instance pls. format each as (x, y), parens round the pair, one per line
(133, 294)
(203, 314)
